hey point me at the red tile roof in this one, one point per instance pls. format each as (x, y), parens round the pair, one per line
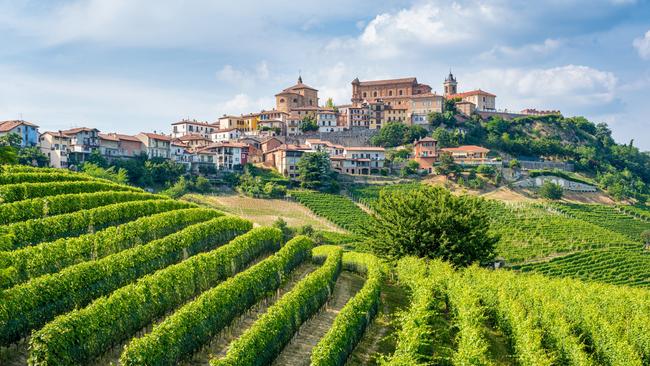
(74, 131)
(365, 148)
(10, 125)
(388, 81)
(470, 93)
(193, 122)
(192, 137)
(126, 137)
(156, 136)
(466, 148)
(108, 137)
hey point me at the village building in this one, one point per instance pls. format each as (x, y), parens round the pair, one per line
(326, 146)
(276, 126)
(421, 105)
(468, 154)
(155, 145)
(398, 90)
(273, 114)
(293, 124)
(425, 153)
(376, 111)
(195, 140)
(299, 95)
(270, 144)
(355, 116)
(327, 121)
(284, 159)
(535, 112)
(109, 146)
(129, 146)
(396, 114)
(27, 131)
(225, 135)
(192, 127)
(227, 122)
(226, 156)
(360, 160)
(482, 100)
(83, 141)
(55, 146)
(181, 154)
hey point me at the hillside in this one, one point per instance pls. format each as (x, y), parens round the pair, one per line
(97, 273)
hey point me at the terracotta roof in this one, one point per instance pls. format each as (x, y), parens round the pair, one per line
(156, 136)
(466, 148)
(126, 137)
(388, 81)
(191, 137)
(55, 133)
(426, 139)
(194, 122)
(177, 142)
(425, 95)
(469, 93)
(299, 86)
(289, 147)
(229, 144)
(76, 130)
(108, 137)
(365, 148)
(10, 125)
(273, 111)
(231, 116)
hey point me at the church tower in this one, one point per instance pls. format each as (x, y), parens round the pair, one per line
(450, 84)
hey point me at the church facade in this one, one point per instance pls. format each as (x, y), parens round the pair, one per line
(296, 97)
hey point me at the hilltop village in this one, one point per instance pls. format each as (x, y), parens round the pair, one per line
(299, 123)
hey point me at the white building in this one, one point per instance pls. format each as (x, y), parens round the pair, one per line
(225, 135)
(192, 127)
(327, 121)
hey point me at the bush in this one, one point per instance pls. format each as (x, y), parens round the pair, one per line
(550, 190)
(431, 222)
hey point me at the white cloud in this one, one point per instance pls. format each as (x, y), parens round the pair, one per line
(528, 51)
(243, 103)
(642, 45)
(570, 86)
(244, 78)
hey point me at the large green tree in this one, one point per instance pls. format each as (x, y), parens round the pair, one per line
(431, 222)
(396, 133)
(315, 172)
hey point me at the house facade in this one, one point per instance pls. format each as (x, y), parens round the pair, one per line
(468, 154)
(55, 146)
(192, 127)
(425, 153)
(155, 145)
(27, 131)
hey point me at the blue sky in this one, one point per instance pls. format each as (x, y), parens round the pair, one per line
(130, 66)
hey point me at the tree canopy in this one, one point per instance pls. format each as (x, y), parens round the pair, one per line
(314, 172)
(395, 134)
(431, 222)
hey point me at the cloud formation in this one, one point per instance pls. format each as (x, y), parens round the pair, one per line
(642, 45)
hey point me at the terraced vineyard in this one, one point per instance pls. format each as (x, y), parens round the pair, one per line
(369, 194)
(338, 209)
(543, 321)
(619, 266)
(533, 231)
(97, 276)
(612, 218)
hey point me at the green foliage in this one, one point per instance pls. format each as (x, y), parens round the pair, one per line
(431, 222)
(350, 323)
(26, 233)
(194, 324)
(37, 208)
(23, 191)
(30, 305)
(645, 236)
(446, 138)
(437, 119)
(81, 335)
(262, 183)
(9, 145)
(395, 134)
(447, 166)
(315, 172)
(616, 265)
(144, 172)
(308, 124)
(38, 177)
(18, 266)
(281, 225)
(550, 190)
(97, 159)
(266, 338)
(514, 164)
(32, 156)
(116, 176)
(410, 168)
(487, 170)
(337, 209)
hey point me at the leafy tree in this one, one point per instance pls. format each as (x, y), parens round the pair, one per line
(410, 168)
(450, 105)
(645, 237)
(487, 170)
(415, 133)
(32, 156)
(308, 124)
(395, 134)
(114, 175)
(281, 224)
(514, 164)
(551, 191)
(8, 149)
(431, 222)
(97, 159)
(330, 104)
(437, 119)
(447, 165)
(314, 172)
(445, 137)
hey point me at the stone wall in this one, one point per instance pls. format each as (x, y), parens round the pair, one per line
(566, 184)
(353, 137)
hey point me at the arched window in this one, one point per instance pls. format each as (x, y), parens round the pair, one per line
(310, 102)
(400, 92)
(390, 93)
(364, 94)
(374, 94)
(281, 100)
(295, 100)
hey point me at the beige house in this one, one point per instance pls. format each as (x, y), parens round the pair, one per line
(155, 145)
(468, 154)
(423, 104)
(228, 122)
(284, 159)
(55, 145)
(299, 95)
(109, 145)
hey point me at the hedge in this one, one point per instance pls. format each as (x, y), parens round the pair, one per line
(37, 208)
(30, 305)
(81, 335)
(23, 191)
(192, 326)
(26, 233)
(265, 339)
(20, 265)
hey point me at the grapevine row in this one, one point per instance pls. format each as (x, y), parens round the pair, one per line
(266, 338)
(32, 304)
(193, 325)
(351, 322)
(335, 208)
(37, 208)
(26, 233)
(21, 265)
(40, 177)
(81, 335)
(23, 191)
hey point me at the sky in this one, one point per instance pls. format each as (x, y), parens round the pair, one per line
(140, 65)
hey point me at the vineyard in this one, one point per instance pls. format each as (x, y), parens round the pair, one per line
(338, 209)
(619, 220)
(100, 276)
(100, 273)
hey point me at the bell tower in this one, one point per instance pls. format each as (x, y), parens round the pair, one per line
(450, 85)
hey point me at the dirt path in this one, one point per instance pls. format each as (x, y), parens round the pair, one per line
(298, 351)
(220, 343)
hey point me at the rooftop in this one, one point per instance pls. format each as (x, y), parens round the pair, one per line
(466, 148)
(411, 80)
(9, 125)
(470, 93)
(156, 136)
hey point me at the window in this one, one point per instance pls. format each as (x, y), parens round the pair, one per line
(295, 100)
(390, 93)
(281, 100)
(374, 94)
(364, 94)
(400, 92)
